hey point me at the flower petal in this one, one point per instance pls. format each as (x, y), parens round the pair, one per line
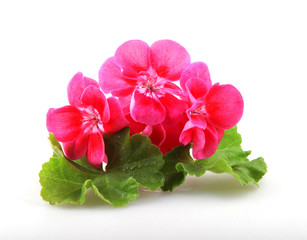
(211, 143)
(169, 59)
(195, 70)
(146, 108)
(94, 97)
(76, 87)
(76, 149)
(224, 105)
(197, 88)
(157, 135)
(198, 120)
(199, 141)
(117, 119)
(133, 57)
(174, 121)
(112, 81)
(186, 135)
(95, 151)
(65, 123)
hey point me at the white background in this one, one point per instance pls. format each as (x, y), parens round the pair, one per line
(258, 46)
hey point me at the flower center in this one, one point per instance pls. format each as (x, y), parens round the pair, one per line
(200, 111)
(148, 82)
(91, 118)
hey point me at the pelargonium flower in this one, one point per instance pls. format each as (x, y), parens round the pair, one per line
(212, 110)
(80, 125)
(145, 73)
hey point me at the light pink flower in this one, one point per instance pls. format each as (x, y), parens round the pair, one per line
(146, 74)
(212, 110)
(80, 125)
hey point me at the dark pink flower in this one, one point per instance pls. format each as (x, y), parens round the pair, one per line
(80, 125)
(145, 73)
(212, 109)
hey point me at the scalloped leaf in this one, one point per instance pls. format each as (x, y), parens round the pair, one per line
(133, 162)
(229, 158)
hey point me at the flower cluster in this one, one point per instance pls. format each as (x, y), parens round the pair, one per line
(142, 81)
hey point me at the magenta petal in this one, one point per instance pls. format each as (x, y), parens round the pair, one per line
(147, 130)
(94, 97)
(133, 57)
(197, 88)
(134, 126)
(117, 119)
(174, 121)
(76, 87)
(199, 141)
(186, 135)
(76, 149)
(224, 105)
(112, 81)
(195, 70)
(211, 143)
(95, 151)
(157, 135)
(146, 108)
(65, 123)
(198, 120)
(169, 59)
(220, 133)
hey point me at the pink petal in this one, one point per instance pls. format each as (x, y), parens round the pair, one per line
(76, 87)
(95, 151)
(224, 106)
(220, 133)
(157, 135)
(211, 143)
(117, 119)
(174, 122)
(195, 70)
(147, 130)
(169, 59)
(199, 141)
(133, 57)
(172, 88)
(94, 97)
(112, 81)
(146, 108)
(197, 88)
(186, 135)
(198, 120)
(65, 123)
(76, 149)
(135, 127)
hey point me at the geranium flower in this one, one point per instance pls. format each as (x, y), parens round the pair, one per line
(146, 74)
(212, 110)
(80, 125)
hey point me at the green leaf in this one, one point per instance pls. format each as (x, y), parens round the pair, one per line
(133, 162)
(64, 181)
(229, 158)
(56, 146)
(174, 178)
(136, 157)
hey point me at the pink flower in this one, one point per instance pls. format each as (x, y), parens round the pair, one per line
(146, 74)
(80, 125)
(212, 110)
